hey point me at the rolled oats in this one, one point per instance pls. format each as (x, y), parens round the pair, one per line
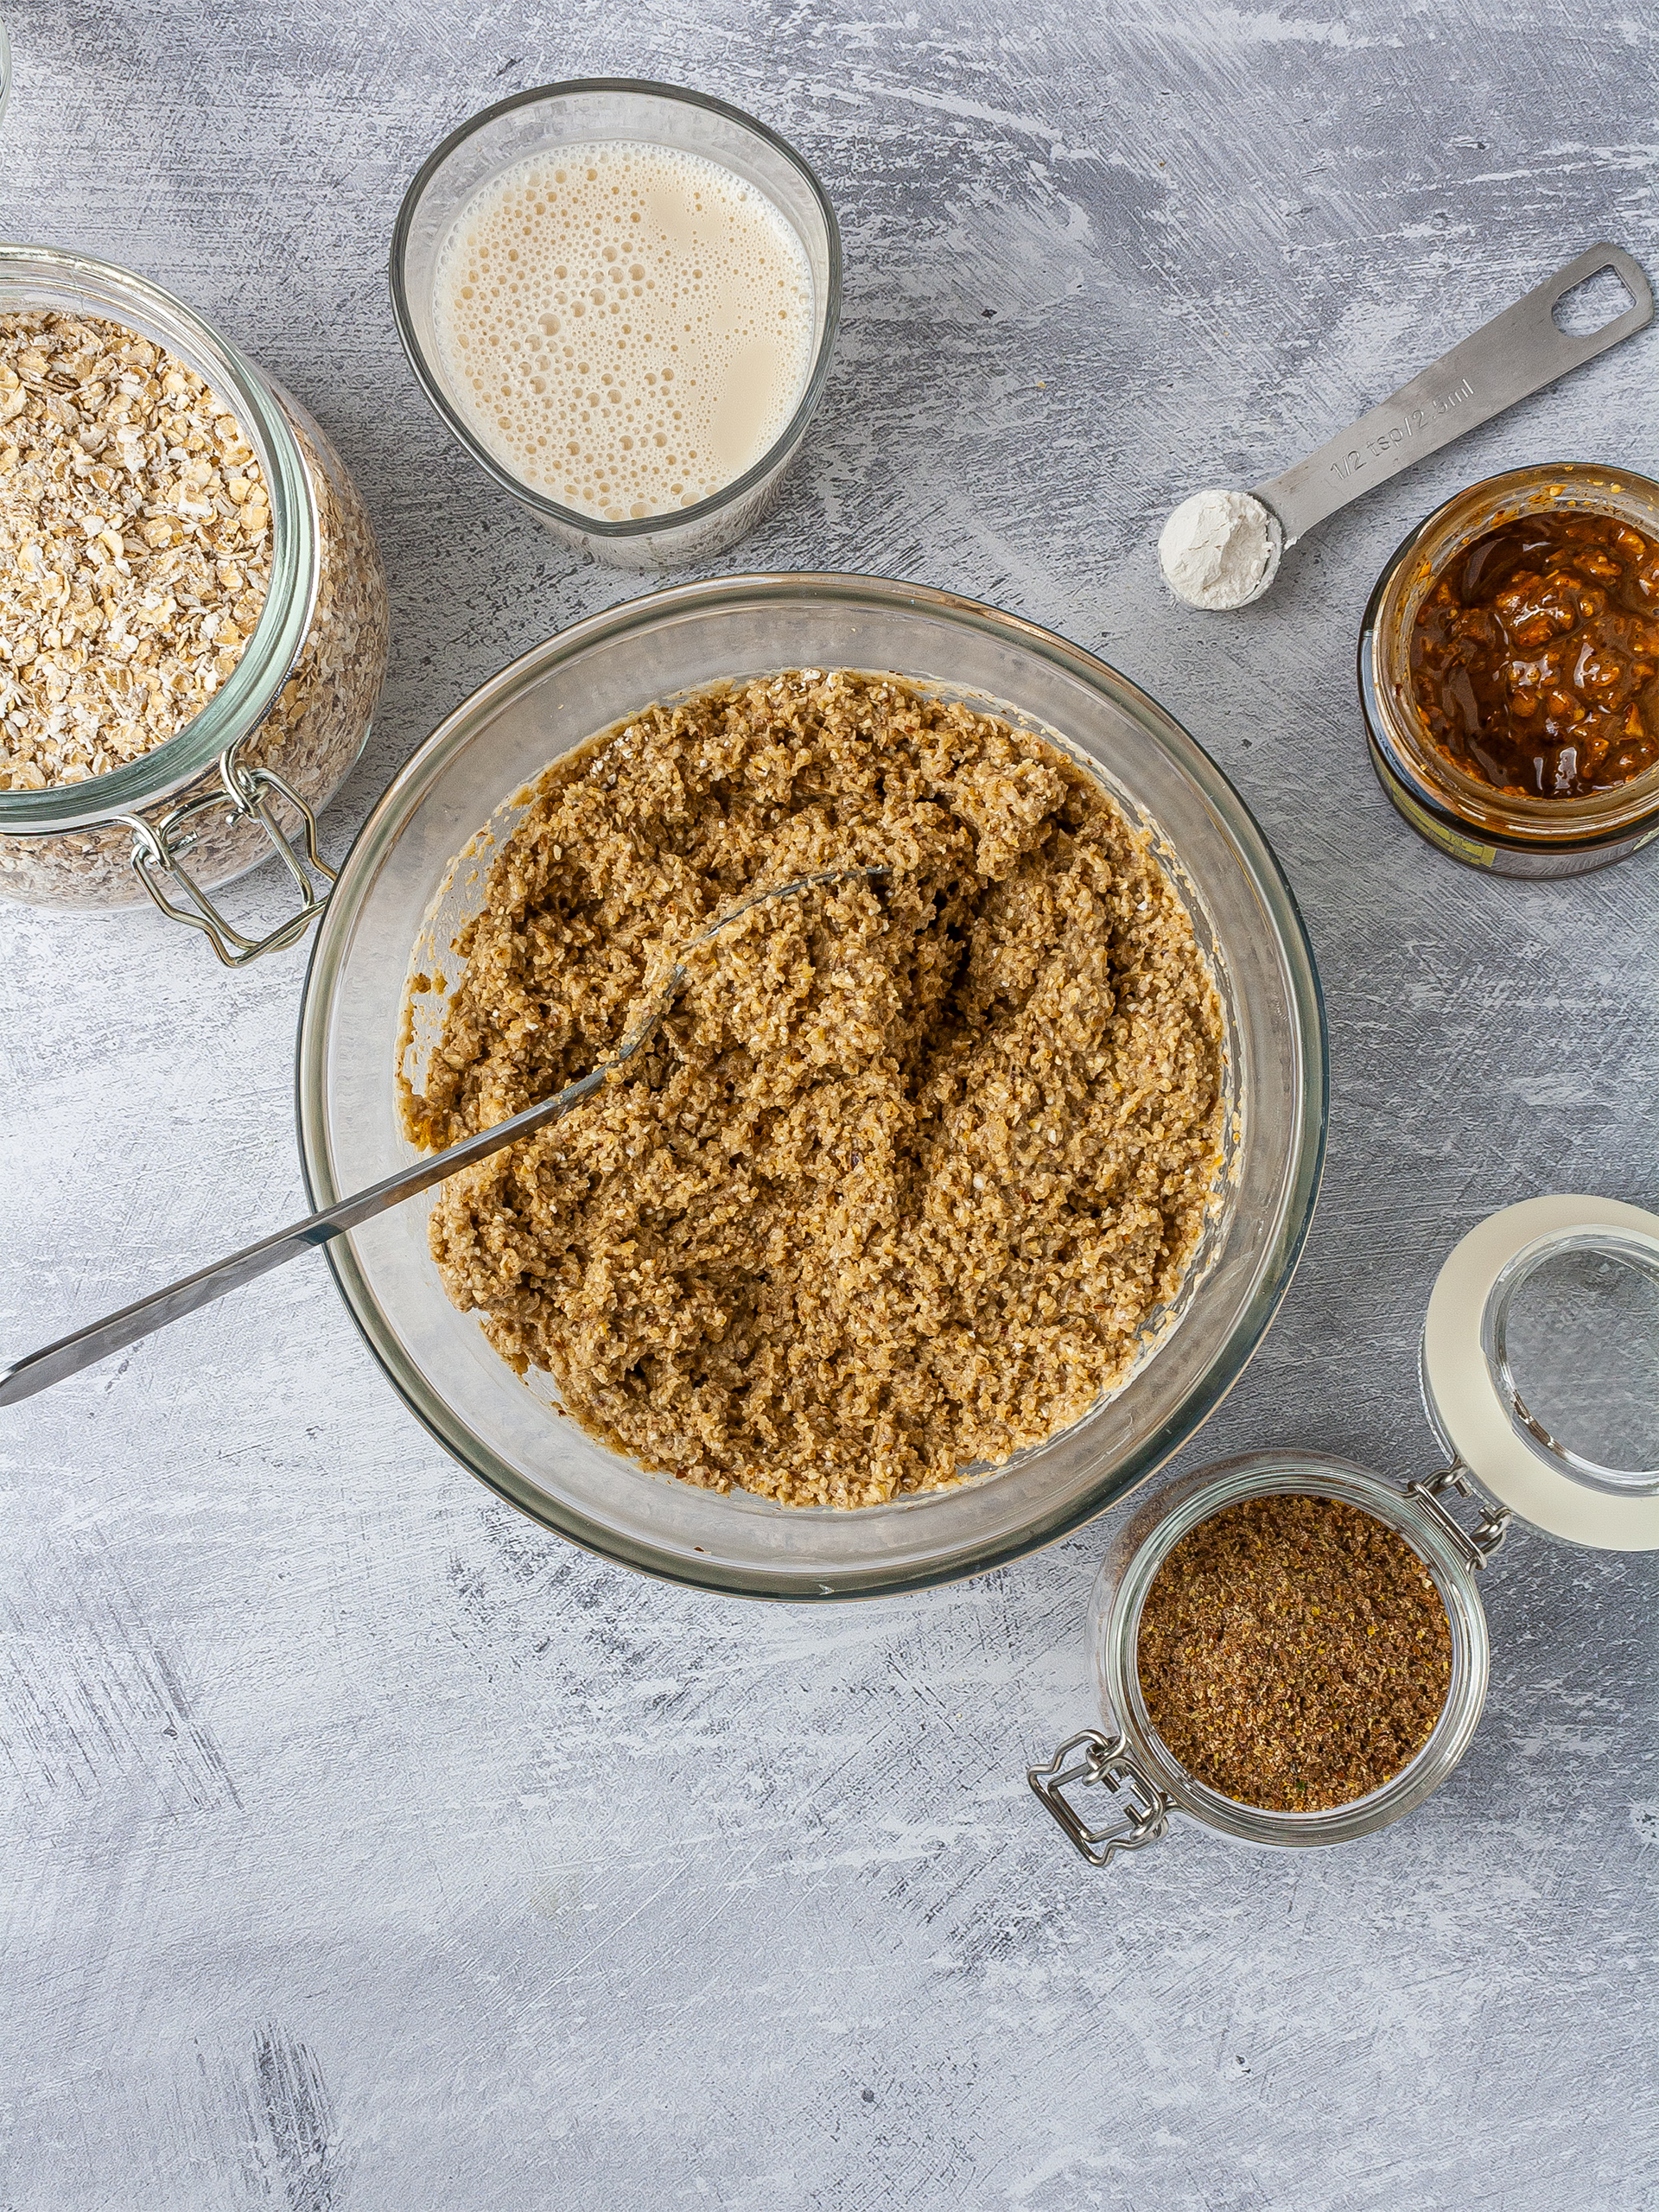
(134, 547)
(197, 547)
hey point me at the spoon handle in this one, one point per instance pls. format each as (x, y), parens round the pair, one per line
(1517, 354)
(54, 1362)
(39, 1369)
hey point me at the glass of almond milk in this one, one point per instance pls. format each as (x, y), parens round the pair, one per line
(621, 298)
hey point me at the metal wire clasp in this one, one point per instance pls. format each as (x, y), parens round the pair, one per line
(1105, 1760)
(157, 847)
(1477, 1544)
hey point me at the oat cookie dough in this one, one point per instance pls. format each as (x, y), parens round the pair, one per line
(909, 1163)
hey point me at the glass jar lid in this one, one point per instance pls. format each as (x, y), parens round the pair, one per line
(1541, 1367)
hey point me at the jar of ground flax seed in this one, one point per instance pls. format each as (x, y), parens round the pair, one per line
(1292, 1648)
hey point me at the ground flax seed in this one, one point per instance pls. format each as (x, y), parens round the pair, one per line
(909, 1166)
(1294, 1653)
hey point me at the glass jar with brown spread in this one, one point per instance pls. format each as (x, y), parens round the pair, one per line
(1292, 1651)
(1509, 672)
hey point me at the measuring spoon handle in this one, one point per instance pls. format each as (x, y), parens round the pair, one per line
(1517, 354)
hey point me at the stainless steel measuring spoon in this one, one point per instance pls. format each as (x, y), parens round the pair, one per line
(69, 1355)
(1515, 355)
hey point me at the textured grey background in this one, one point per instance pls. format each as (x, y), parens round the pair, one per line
(363, 1846)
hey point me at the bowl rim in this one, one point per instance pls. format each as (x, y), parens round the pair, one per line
(1299, 1194)
(553, 510)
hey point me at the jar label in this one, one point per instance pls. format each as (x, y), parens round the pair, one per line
(1462, 849)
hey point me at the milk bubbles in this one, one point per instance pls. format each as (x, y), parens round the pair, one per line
(627, 328)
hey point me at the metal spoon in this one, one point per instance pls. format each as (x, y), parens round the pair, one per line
(39, 1369)
(1515, 355)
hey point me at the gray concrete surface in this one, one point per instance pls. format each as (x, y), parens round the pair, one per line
(363, 1846)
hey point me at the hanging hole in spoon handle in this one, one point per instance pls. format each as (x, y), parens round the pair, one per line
(1515, 355)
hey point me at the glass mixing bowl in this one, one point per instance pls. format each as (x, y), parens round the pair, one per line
(471, 774)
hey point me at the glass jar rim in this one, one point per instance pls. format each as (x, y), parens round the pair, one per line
(1127, 1575)
(83, 285)
(597, 526)
(1431, 776)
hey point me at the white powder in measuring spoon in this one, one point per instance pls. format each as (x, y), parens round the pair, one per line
(1220, 550)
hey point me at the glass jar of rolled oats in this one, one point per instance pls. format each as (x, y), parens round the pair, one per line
(192, 608)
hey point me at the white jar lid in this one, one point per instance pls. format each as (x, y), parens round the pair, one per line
(1513, 1277)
